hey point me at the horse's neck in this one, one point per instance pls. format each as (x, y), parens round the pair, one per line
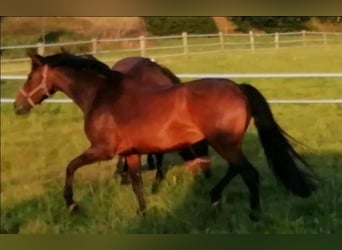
(82, 91)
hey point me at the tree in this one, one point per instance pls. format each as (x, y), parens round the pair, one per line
(271, 23)
(175, 25)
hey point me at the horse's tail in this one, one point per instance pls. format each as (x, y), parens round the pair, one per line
(279, 152)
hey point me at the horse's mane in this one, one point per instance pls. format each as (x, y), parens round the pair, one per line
(169, 73)
(90, 64)
(85, 63)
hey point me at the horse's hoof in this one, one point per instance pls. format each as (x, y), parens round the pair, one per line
(215, 199)
(73, 208)
(141, 212)
(216, 204)
(254, 215)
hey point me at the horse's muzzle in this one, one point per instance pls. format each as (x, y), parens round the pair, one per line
(21, 110)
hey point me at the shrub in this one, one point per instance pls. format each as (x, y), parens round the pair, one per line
(176, 25)
(271, 23)
(60, 35)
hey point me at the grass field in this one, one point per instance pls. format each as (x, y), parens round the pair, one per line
(35, 150)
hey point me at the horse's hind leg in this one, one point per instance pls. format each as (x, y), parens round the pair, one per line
(239, 165)
(122, 171)
(198, 154)
(119, 167)
(201, 150)
(216, 192)
(160, 175)
(125, 179)
(150, 162)
(250, 176)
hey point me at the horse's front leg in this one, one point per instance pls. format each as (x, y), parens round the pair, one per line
(91, 155)
(134, 169)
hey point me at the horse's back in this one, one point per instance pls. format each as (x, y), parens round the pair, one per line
(216, 90)
(146, 72)
(126, 64)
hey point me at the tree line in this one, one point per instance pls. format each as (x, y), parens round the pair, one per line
(204, 25)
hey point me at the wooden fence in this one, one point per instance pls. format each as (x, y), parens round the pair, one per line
(186, 44)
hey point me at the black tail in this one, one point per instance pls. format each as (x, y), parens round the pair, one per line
(279, 152)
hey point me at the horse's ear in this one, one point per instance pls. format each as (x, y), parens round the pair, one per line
(36, 60)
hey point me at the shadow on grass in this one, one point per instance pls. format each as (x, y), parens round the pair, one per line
(43, 214)
(182, 206)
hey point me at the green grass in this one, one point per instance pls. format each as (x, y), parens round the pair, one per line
(234, 57)
(35, 150)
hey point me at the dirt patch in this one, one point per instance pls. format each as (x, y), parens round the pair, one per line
(224, 24)
(316, 25)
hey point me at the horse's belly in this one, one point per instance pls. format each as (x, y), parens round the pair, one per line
(161, 140)
(172, 141)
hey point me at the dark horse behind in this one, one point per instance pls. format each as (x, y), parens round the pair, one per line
(120, 117)
(154, 75)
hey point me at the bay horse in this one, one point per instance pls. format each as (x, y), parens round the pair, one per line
(121, 118)
(152, 74)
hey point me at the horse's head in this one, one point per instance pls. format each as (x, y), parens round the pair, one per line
(36, 88)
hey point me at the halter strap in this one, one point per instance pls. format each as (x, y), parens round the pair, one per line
(42, 86)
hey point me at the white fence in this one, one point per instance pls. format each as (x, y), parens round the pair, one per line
(186, 44)
(254, 75)
(228, 75)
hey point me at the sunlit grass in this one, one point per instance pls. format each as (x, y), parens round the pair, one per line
(37, 148)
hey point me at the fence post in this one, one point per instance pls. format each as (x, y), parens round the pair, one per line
(276, 40)
(40, 49)
(221, 40)
(251, 38)
(94, 46)
(325, 41)
(142, 46)
(303, 37)
(185, 43)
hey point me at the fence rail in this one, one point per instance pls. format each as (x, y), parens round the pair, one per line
(189, 43)
(253, 75)
(228, 75)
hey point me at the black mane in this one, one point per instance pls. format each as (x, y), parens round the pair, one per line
(169, 73)
(87, 64)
